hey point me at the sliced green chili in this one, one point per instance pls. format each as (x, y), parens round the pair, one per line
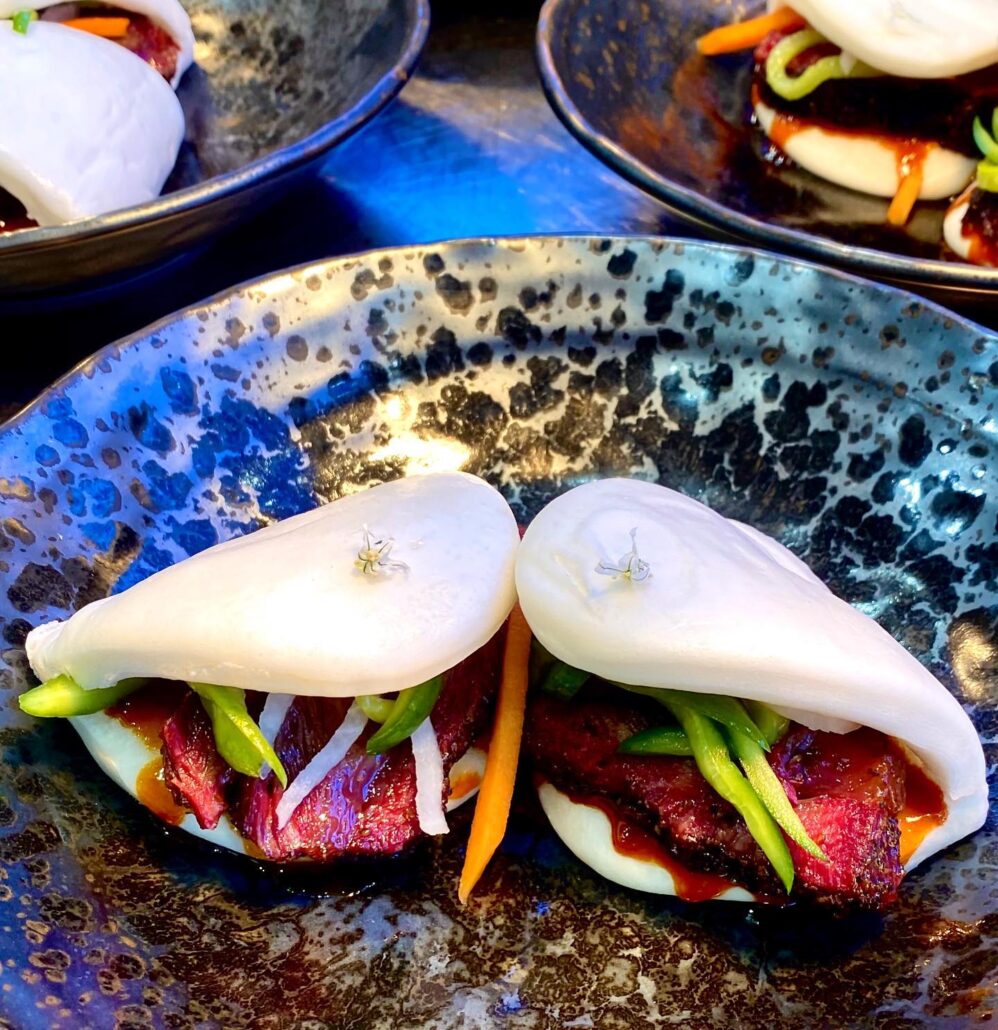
(20, 22)
(657, 740)
(772, 725)
(771, 791)
(62, 697)
(375, 707)
(237, 736)
(793, 87)
(726, 710)
(409, 710)
(987, 177)
(563, 680)
(710, 751)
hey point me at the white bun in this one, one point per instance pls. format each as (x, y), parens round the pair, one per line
(587, 833)
(727, 610)
(953, 230)
(169, 15)
(864, 163)
(285, 609)
(922, 39)
(88, 128)
(122, 754)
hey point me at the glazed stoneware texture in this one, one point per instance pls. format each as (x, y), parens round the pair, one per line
(626, 78)
(851, 421)
(273, 87)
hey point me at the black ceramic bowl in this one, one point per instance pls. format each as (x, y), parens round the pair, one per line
(274, 86)
(627, 80)
(849, 420)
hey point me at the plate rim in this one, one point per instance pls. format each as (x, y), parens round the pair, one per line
(975, 281)
(281, 161)
(320, 266)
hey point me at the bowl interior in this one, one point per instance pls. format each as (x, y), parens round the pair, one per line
(849, 420)
(266, 76)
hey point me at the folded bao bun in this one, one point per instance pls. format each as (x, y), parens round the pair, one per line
(286, 610)
(169, 15)
(866, 163)
(727, 610)
(88, 127)
(921, 39)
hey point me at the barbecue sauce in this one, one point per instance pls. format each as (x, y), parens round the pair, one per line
(145, 712)
(153, 792)
(633, 841)
(909, 154)
(924, 809)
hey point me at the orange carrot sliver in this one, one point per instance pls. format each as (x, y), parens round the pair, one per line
(908, 190)
(496, 793)
(745, 34)
(107, 28)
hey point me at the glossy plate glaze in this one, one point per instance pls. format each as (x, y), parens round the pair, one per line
(852, 421)
(626, 78)
(273, 87)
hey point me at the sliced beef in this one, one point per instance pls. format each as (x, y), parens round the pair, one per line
(366, 806)
(939, 110)
(847, 798)
(981, 221)
(193, 770)
(144, 37)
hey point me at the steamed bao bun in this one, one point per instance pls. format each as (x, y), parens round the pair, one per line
(285, 609)
(88, 127)
(726, 610)
(932, 39)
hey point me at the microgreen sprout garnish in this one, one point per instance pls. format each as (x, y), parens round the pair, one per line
(629, 566)
(22, 19)
(374, 557)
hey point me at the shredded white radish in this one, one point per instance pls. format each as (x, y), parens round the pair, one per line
(275, 709)
(429, 779)
(316, 771)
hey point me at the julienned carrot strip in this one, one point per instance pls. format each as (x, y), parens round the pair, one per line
(908, 191)
(745, 34)
(107, 28)
(496, 793)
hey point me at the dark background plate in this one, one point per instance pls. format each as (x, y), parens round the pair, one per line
(273, 87)
(626, 78)
(852, 421)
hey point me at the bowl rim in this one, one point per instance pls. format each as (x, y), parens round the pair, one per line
(974, 280)
(322, 265)
(285, 159)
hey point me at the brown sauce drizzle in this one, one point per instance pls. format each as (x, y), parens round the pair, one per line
(145, 712)
(153, 792)
(909, 154)
(631, 840)
(924, 809)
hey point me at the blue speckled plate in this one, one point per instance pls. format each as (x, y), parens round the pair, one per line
(626, 78)
(852, 421)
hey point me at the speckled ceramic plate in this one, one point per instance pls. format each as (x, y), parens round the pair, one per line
(273, 87)
(850, 420)
(625, 77)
